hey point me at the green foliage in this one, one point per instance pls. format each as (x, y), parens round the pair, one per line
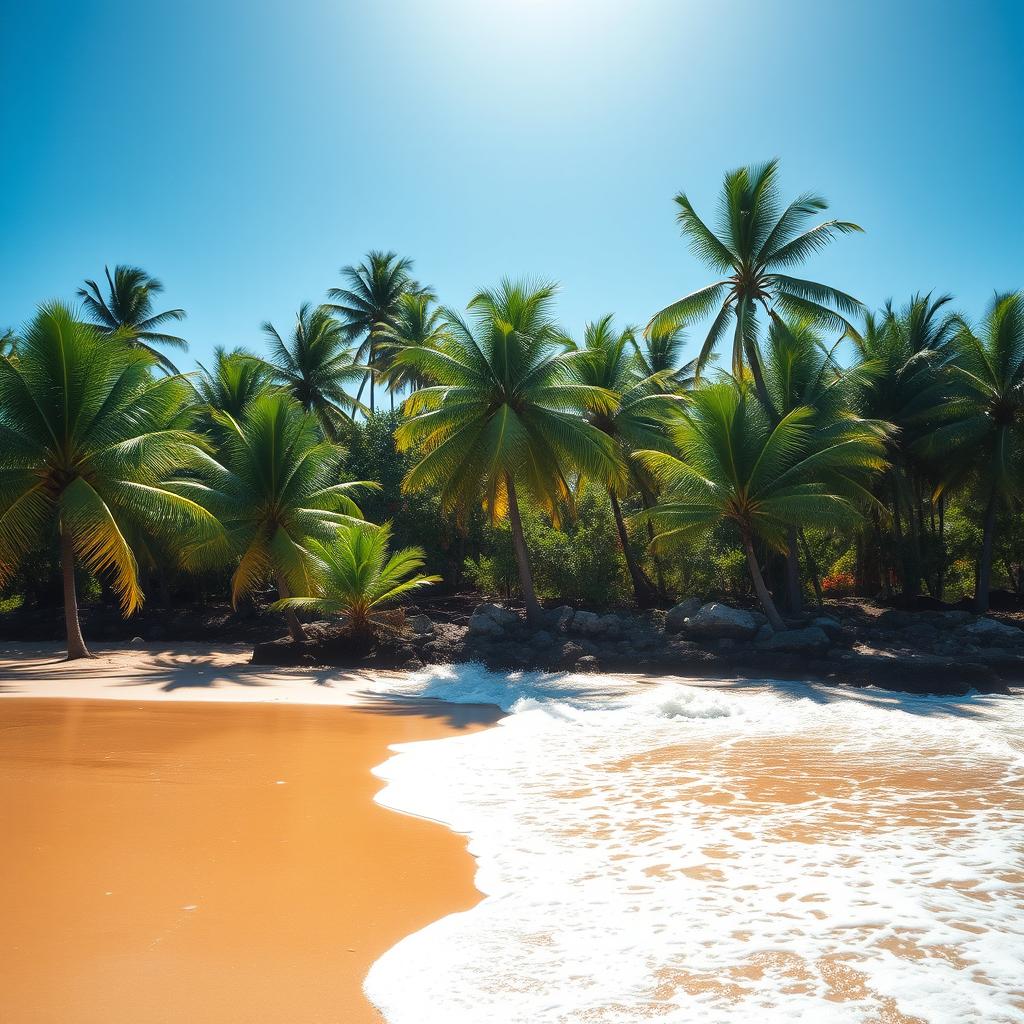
(88, 442)
(354, 577)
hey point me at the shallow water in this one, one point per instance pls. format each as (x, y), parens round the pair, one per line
(685, 853)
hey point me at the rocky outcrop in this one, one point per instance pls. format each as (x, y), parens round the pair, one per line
(989, 631)
(491, 620)
(810, 640)
(676, 617)
(720, 622)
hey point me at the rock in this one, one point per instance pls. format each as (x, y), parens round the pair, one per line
(763, 633)
(717, 621)
(561, 618)
(609, 625)
(952, 618)
(588, 663)
(137, 640)
(491, 620)
(542, 638)
(677, 616)
(586, 623)
(895, 618)
(989, 631)
(726, 644)
(832, 628)
(570, 654)
(809, 640)
(421, 625)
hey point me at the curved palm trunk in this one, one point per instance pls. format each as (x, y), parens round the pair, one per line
(643, 591)
(534, 614)
(295, 629)
(659, 569)
(72, 627)
(759, 586)
(984, 578)
(812, 567)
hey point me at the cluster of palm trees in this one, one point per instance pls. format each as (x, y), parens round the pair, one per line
(830, 419)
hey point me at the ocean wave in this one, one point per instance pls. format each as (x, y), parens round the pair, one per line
(663, 851)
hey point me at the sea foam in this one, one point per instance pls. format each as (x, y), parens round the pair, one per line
(684, 853)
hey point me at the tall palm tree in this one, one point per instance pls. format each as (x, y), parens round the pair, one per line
(504, 414)
(357, 579)
(315, 364)
(637, 421)
(661, 353)
(982, 440)
(757, 240)
(418, 324)
(799, 371)
(236, 378)
(87, 445)
(274, 487)
(908, 352)
(370, 303)
(127, 311)
(732, 464)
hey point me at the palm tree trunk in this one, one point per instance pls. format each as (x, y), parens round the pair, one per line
(295, 629)
(812, 566)
(642, 589)
(659, 569)
(794, 592)
(533, 609)
(759, 586)
(984, 579)
(72, 627)
(942, 547)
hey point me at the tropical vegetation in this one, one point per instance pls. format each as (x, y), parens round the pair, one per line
(839, 451)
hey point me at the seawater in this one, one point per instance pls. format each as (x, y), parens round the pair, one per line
(749, 853)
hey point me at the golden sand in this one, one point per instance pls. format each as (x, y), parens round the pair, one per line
(166, 861)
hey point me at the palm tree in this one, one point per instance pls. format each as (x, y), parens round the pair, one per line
(274, 487)
(86, 444)
(236, 379)
(982, 440)
(315, 364)
(907, 353)
(418, 324)
(734, 465)
(127, 311)
(637, 420)
(800, 371)
(661, 353)
(504, 414)
(357, 579)
(757, 240)
(370, 304)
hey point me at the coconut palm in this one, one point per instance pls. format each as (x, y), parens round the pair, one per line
(757, 241)
(982, 438)
(86, 445)
(237, 377)
(315, 364)
(127, 311)
(661, 353)
(274, 487)
(733, 464)
(370, 304)
(636, 421)
(356, 578)
(909, 351)
(504, 414)
(799, 370)
(418, 324)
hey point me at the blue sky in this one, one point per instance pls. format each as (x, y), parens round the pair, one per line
(244, 151)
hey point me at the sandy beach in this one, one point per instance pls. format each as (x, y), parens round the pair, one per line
(167, 860)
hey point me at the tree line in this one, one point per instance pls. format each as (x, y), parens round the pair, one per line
(842, 451)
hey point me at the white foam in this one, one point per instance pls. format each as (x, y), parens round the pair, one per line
(635, 868)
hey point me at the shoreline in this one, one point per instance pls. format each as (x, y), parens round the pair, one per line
(225, 863)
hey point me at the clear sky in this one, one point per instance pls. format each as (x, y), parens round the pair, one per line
(243, 151)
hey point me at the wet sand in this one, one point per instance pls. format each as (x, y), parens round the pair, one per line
(170, 861)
